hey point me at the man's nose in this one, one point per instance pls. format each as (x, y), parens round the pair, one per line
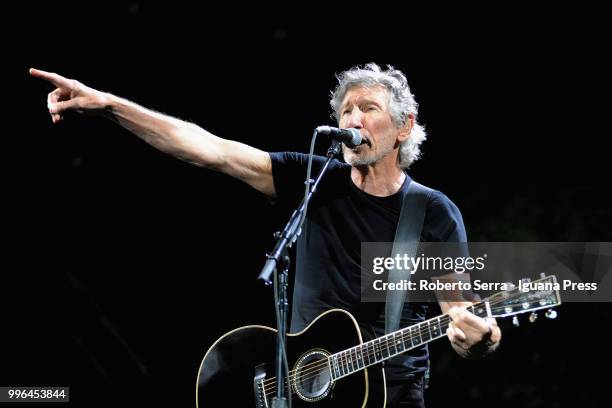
(354, 119)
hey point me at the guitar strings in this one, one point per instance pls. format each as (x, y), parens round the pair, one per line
(386, 342)
(317, 367)
(349, 359)
(320, 366)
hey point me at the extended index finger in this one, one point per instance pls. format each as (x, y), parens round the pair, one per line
(54, 78)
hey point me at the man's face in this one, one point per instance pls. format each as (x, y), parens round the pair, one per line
(366, 109)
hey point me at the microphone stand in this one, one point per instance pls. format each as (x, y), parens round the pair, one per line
(279, 258)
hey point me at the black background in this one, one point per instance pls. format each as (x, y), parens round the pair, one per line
(123, 265)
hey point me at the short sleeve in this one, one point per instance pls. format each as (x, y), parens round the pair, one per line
(443, 222)
(289, 174)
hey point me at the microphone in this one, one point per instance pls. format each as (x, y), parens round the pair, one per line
(351, 137)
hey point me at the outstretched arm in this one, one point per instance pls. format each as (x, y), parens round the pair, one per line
(181, 139)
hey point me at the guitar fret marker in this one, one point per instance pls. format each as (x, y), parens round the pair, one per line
(392, 343)
(336, 367)
(378, 354)
(416, 337)
(360, 354)
(385, 348)
(399, 343)
(349, 361)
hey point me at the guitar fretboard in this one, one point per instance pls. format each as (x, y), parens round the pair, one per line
(382, 348)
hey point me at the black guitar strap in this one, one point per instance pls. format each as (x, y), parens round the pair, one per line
(407, 238)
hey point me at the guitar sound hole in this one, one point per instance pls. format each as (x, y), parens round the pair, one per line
(312, 380)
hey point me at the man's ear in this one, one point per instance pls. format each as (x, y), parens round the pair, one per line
(406, 129)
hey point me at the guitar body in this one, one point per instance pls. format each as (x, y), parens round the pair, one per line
(229, 368)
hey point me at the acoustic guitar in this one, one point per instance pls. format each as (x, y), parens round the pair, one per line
(333, 362)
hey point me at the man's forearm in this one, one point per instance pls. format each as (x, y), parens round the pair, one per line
(179, 138)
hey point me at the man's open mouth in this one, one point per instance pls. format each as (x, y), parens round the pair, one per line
(366, 141)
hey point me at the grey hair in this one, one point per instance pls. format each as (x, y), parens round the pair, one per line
(401, 103)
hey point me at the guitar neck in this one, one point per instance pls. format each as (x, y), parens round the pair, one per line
(385, 347)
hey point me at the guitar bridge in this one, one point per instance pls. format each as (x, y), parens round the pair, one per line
(259, 388)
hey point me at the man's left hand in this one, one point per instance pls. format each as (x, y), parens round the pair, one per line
(472, 336)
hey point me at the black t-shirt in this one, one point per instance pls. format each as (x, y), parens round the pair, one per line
(328, 266)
